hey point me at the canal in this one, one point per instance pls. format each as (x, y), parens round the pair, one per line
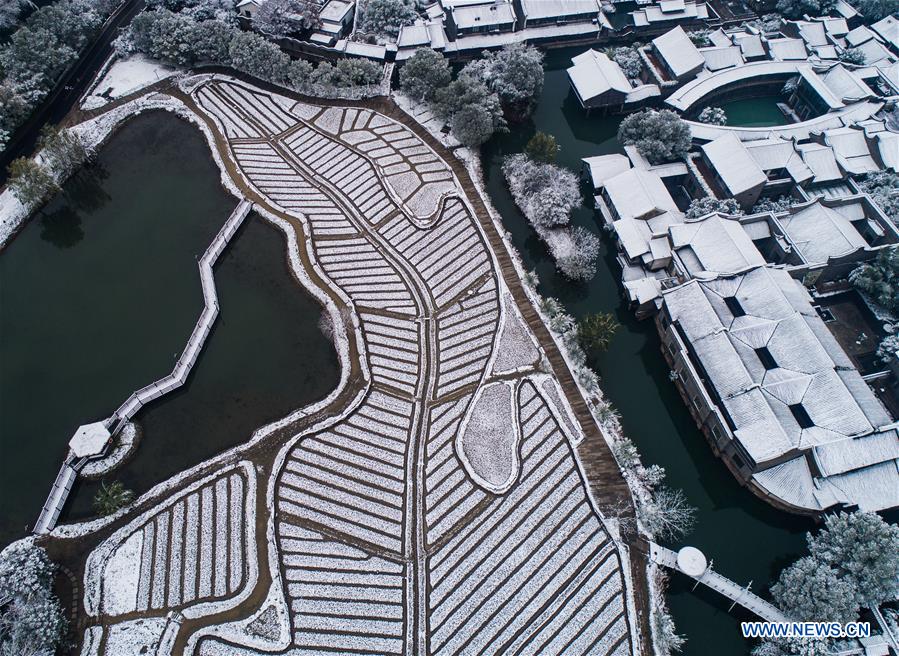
(99, 294)
(746, 538)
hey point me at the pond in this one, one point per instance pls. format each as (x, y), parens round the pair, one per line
(760, 112)
(746, 538)
(99, 294)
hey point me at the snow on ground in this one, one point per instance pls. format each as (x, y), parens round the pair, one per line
(120, 582)
(126, 76)
(135, 638)
(425, 117)
(125, 443)
(12, 214)
(516, 350)
(488, 439)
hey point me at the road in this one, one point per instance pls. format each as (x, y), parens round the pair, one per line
(70, 87)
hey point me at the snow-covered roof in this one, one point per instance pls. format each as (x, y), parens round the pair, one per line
(888, 29)
(491, 13)
(732, 162)
(791, 398)
(89, 440)
(859, 35)
(845, 10)
(639, 194)
(785, 49)
(846, 85)
(836, 27)
(777, 153)
(875, 52)
(713, 244)
(850, 144)
(603, 167)
(888, 149)
(720, 39)
(536, 9)
(822, 161)
(336, 10)
(651, 14)
(820, 233)
(813, 33)
(695, 90)
(413, 35)
(593, 74)
(678, 52)
(751, 45)
(816, 82)
(717, 59)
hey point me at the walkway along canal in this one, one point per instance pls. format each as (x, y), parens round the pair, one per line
(745, 538)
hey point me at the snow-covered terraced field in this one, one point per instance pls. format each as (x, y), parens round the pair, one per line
(389, 535)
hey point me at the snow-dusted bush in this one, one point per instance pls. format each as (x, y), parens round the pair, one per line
(32, 623)
(855, 56)
(283, 17)
(887, 348)
(774, 205)
(514, 73)
(708, 204)
(875, 10)
(579, 261)
(473, 111)
(36, 54)
(385, 17)
(31, 183)
(546, 193)
(659, 135)
(880, 279)
(883, 188)
(700, 38)
(713, 116)
(628, 59)
(666, 514)
(563, 324)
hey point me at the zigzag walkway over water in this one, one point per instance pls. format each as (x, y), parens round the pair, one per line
(65, 479)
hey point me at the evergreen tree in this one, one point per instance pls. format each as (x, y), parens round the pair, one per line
(595, 331)
(30, 182)
(112, 498)
(284, 17)
(515, 73)
(424, 73)
(660, 136)
(811, 591)
(864, 550)
(542, 147)
(880, 278)
(385, 17)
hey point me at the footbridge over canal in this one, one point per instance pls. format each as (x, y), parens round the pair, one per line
(76, 457)
(692, 562)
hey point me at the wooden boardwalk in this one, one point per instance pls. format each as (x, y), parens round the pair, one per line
(65, 479)
(201, 331)
(721, 584)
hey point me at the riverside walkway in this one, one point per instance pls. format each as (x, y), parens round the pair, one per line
(65, 479)
(712, 579)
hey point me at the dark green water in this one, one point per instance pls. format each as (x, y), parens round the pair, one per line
(99, 294)
(761, 112)
(747, 539)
